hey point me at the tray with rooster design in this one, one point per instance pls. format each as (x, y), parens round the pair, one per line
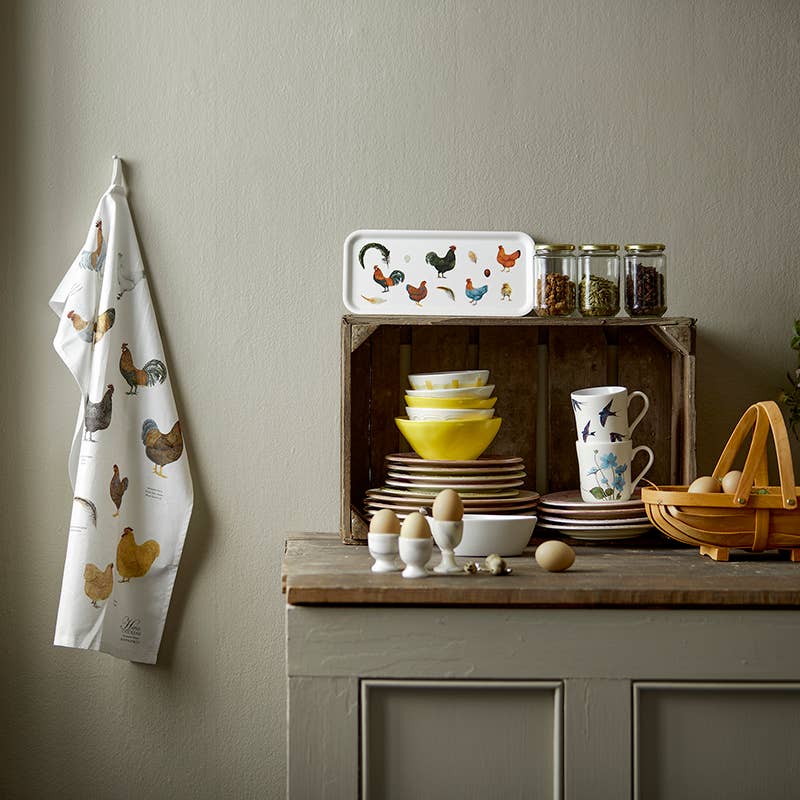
(438, 273)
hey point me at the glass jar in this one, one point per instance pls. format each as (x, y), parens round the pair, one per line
(554, 267)
(645, 280)
(598, 280)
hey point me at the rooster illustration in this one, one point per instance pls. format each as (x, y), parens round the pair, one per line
(92, 331)
(95, 259)
(444, 263)
(395, 277)
(475, 294)
(506, 260)
(97, 416)
(417, 294)
(150, 374)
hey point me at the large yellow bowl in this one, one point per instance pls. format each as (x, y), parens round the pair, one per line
(449, 440)
(449, 402)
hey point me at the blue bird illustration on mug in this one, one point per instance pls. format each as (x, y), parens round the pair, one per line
(606, 412)
(586, 433)
(576, 406)
(616, 437)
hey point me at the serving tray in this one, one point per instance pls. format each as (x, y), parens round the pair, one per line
(383, 273)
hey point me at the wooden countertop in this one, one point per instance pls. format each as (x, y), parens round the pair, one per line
(318, 569)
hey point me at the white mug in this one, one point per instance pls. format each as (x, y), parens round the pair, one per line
(601, 413)
(605, 470)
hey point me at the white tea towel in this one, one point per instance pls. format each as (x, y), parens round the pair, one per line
(128, 465)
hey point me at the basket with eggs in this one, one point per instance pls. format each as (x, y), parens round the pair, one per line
(732, 508)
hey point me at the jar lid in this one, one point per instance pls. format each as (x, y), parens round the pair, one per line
(644, 248)
(596, 248)
(554, 248)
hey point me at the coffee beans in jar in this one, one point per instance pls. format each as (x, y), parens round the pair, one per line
(598, 280)
(555, 280)
(645, 280)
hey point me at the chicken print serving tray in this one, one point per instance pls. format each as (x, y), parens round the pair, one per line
(439, 273)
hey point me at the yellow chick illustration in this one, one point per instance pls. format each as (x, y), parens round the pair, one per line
(505, 292)
(98, 583)
(134, 560)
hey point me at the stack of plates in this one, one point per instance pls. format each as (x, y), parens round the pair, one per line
(567, 513)
(490, 485)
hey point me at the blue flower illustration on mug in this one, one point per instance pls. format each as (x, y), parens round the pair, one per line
(610, 476)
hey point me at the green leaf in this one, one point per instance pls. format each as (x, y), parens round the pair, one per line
(597, 492)
(609, 492)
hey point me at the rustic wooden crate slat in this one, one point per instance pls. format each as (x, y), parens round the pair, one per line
(535, 362)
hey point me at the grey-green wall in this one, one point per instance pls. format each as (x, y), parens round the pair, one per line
(257, 136)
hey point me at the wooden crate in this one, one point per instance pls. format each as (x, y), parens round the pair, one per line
(535, 363)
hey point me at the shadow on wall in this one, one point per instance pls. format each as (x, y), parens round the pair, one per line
(729, 379)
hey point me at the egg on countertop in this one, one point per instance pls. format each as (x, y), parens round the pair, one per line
(448, 506)
(554, 555)
(415, 526)
(705, 484)
(385, 521)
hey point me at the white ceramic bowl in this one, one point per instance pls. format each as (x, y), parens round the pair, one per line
(495, 533)
(449, 413)
(449, 380)
(477, 391)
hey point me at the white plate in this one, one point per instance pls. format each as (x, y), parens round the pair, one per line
(417, 471)
(600, 523)
(413, 461)
(595, 534)
(405, 252)
(388, 493)
(457, 486)
(418, 480)
(572, 499)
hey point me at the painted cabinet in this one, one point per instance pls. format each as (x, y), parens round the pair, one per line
(440, 701)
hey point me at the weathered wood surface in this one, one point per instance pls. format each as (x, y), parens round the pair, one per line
(318, 570)
(663, 322)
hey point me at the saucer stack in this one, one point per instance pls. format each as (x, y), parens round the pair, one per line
(488, 485)
(568, 514)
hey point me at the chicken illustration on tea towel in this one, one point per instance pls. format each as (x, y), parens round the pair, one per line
(116, 587)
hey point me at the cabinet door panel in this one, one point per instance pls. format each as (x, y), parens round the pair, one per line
(465, 739)
(706, 740)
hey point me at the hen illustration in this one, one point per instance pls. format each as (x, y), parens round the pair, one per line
(150, 374)
(506, 260)
(98, 583)
(161, 448)
(92, 332)
(475, 294)
(417, 293)
(134, 560)
(117, 488)
(444, 263)
(97, 416)
(395, 277)
(94, 259)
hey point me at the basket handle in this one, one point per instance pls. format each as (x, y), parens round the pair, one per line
(761, 418)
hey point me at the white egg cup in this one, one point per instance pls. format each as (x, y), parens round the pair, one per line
(447, 535)
(383, 547)
(416, 553)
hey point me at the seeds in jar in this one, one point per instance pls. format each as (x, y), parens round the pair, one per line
(601, 299)
(556, 295)
(644, 291)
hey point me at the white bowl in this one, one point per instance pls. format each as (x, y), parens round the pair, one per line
(449, 413)
(449, 380)
(495, 533)
(477, 391)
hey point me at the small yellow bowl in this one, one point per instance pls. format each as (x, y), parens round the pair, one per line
(449, 440)
(450, 402)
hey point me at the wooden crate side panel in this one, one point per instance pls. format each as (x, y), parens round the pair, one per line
(576, 359)
(511, 354)
(440, 349)
(645, 364)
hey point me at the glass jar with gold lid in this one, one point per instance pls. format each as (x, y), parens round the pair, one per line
(598, 280)
(645, 280)
(555, 272)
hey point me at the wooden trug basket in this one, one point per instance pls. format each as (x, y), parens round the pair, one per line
(756, 516)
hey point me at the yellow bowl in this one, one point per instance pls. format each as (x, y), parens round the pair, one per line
(449, 440)
(450, 402)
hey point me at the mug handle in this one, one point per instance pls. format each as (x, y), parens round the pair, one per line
(644, 410)
(649, 463)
